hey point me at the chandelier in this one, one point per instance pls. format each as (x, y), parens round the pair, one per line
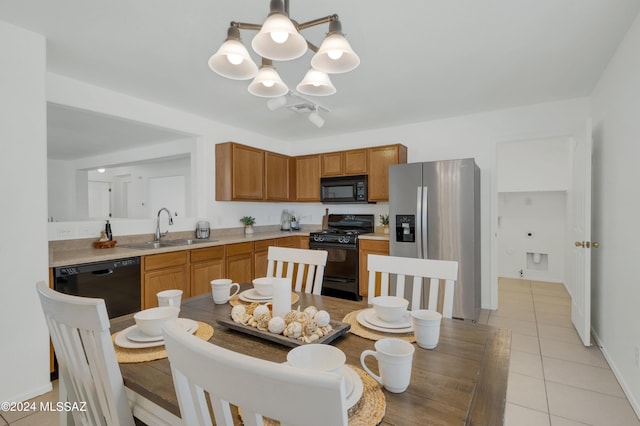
(279, 39)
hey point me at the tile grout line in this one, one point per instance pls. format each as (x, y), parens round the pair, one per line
(544, 376)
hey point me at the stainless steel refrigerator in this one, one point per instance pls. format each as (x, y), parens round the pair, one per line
(434, 213)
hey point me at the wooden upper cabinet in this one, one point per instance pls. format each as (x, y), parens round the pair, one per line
(307, 178)
(276, 177)
(355, 162)
(239, 172)
(380, 158)
(331, 164)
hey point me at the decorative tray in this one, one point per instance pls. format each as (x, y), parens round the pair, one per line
(105, 244)
(339, 328)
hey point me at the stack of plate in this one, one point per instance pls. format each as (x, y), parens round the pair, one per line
(252, 295)
(369, 319)
(133, 338)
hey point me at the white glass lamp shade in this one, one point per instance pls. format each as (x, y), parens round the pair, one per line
(279, 39)
(335, 55)
(268, 84)
(232, 60)
(316, 83)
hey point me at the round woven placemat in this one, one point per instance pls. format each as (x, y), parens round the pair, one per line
(129, 355)
(367, 333)
(235, 300)
(368, 411)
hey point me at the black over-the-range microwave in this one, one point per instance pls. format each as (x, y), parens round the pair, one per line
(344, 189)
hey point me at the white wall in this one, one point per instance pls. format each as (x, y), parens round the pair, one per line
(24, 358)
(541, 214)
(538, 165)
(472, 136)
(616, 209)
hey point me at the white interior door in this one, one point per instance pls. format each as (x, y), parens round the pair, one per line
(579, 260)
(99, 199)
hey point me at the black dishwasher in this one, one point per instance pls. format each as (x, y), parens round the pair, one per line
(116, 281)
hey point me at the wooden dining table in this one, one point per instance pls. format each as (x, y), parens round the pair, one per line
(463, 381)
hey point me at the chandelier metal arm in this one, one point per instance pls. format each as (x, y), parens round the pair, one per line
(319, 21)
(245, 26)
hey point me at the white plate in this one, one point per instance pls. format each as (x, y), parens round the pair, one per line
(361, 318)
(372, 318)
(356, 393)
(123, 341)
(252, 295)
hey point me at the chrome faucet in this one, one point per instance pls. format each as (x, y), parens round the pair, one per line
(158, 233)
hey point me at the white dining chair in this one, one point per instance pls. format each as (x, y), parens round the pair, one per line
(308, 266)
(204, 373)
(87, 365)
(423, 271)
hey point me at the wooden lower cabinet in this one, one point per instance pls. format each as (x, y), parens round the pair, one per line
(368, 247)
(239, 262)
(260, 253)
(206, 264)
(163, 272)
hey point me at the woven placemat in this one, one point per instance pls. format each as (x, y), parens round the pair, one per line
(368, 411)
(367, 333)
(235, 300)
(129, 355)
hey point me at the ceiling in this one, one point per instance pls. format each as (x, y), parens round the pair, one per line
(421, 60)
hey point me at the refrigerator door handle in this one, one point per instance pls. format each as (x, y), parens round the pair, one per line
(424, 235)
(419, 222)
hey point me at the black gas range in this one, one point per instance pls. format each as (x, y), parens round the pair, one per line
(341, 242)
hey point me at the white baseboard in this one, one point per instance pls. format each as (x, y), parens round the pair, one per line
(625, 388)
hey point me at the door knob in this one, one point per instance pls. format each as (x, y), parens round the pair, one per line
(579, 243)
(595, 244)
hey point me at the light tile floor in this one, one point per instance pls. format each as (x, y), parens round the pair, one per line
(553, 379)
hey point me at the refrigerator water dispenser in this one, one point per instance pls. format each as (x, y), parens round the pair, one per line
(406, 228)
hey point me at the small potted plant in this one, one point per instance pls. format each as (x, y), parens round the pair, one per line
(384, 221)
(248, 222)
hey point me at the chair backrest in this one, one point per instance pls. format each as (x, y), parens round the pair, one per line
(422, 271)
(258, 387)
(308, 266)
(87, 365)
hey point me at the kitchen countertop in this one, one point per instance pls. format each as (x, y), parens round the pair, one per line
(375, 236)
(75, 256)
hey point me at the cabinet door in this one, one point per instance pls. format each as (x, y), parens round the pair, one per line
(164, 279)
(206, 264)
(380, 158)
(331, 164)
(239, 262)
(368, 247)
(355, 162)
(307, 178)
(260, 261)
(202, 274)
(276, 177)
(248, 173)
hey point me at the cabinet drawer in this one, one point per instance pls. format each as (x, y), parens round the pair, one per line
(209, 253)
(263, 245)
(239, 248)
(374, 245)
(159, 261)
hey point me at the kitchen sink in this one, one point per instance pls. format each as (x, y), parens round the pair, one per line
(148, 245)
(185, 242)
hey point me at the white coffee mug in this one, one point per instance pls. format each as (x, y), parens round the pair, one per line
(221, 290)
(169, 298)
(395, 358)
(426, 327)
